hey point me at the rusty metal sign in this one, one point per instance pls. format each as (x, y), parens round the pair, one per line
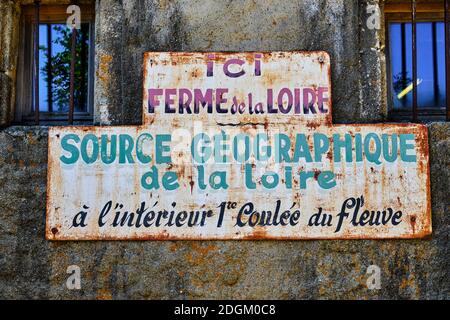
(238, 146)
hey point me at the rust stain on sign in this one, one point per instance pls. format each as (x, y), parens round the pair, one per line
(238, 146)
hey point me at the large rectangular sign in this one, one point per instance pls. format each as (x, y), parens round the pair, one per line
(238, 146)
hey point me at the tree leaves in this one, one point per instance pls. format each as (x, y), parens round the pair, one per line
(59, 64)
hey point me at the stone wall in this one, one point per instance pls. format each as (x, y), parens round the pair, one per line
(125, 32)
(35, 268)
(32, 267)
(126, 29)
(9, 41)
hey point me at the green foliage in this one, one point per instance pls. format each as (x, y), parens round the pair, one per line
(60, 68)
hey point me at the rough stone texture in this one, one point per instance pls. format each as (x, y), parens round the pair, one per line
(124, 31)
(23, 252)
(35, 268)
(9, 41)
(32, 267)
(6, 85)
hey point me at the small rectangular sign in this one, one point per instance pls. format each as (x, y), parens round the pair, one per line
(230, 88)
(238, 146)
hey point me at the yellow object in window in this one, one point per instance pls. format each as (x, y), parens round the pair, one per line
(408, 89)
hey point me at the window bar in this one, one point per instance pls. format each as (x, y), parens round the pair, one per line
(72, 74)
(447, 57)
(49, 68)
(83, 67)
(404, 65)
(36, 61)
(414, 59)
(435, 63)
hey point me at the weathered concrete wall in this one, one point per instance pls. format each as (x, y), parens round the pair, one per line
(31, 267)
(35, 268)
(9, 41)
(125, 31)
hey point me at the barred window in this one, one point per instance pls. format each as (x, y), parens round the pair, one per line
(57, 49)
(423, 22)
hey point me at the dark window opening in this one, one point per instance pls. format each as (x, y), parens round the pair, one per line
(54, 57)
(430, 66)
(54, 76)
(422, 64)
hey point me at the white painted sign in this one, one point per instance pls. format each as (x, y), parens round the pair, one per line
(238, 146)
